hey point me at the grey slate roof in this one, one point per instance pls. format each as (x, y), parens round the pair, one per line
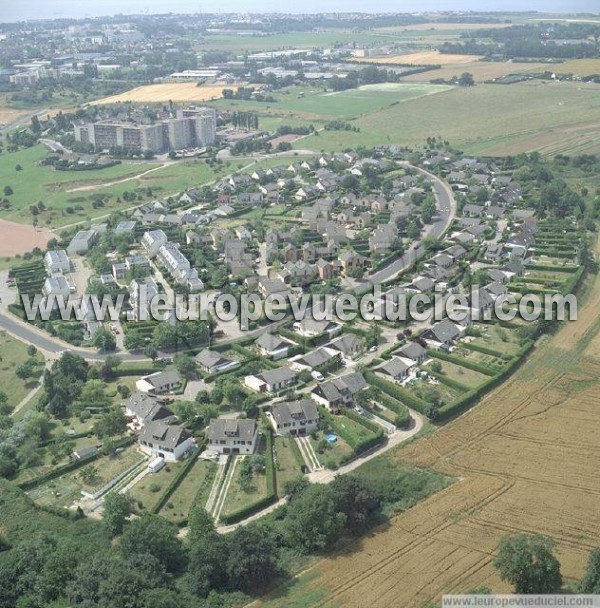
(222, 428)
(294, 410)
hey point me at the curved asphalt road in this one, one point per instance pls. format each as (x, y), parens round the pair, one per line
(446, 211)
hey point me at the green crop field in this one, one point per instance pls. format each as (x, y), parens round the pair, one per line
(485, 119)
(315, 103)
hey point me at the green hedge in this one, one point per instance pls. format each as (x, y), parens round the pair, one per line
(175, 482)
(396, 392)
(69, 467)
(372, 426)
(486, 351)
(403, 416)
(245, 512)
(472, 397)
(476, 367)
(269, 464)
(550, 268)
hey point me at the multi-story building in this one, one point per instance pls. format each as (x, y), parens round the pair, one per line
(193, 127)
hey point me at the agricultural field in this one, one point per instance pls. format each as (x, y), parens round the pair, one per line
(579, 67)
(311, 103)
(421, 58)
(178, 92)
(527, 459)
(485, 119)
(481, 70)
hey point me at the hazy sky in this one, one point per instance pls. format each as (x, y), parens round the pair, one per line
(15, 10)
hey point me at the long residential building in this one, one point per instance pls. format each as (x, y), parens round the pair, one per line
(195, 127)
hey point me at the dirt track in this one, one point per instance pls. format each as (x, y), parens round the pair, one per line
(527, 458)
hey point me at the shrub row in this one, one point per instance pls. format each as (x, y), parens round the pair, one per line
(269, 464)
(476, 367)
(397, 392)
(403, 416)
(175, 482)
(550, 268)
(370, 425)
(486, 351)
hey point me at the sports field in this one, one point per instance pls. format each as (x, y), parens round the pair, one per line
(527, 458)
(182, 92)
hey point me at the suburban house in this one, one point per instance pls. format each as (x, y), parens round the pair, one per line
(57, 262)
(294, 418)
(309, 328)
(340, 391)
(348, 345)
(273, 345)
(159, 382)
(167, 441)
(316, 359)
(443, 333)
(396, 367)
(272, 381)
(232, 436)
(413, 351)
(142, 408)
(212, 362)
(268, 287)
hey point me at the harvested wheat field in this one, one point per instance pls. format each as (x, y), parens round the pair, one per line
(183, 92)
(481, 70)
(579, 67)
(422, 58)
(527, 458)
(19, 238)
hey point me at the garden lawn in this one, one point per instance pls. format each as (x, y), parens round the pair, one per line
(195, 487)
(286, 466)
(238, 497)
(330, 455)
(148, 490)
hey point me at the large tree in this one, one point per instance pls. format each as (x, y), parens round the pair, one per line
(313, 521)
(117, 508)
(528, 563)
(591, 579)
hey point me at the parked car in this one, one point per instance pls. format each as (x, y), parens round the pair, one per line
(318, 376)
